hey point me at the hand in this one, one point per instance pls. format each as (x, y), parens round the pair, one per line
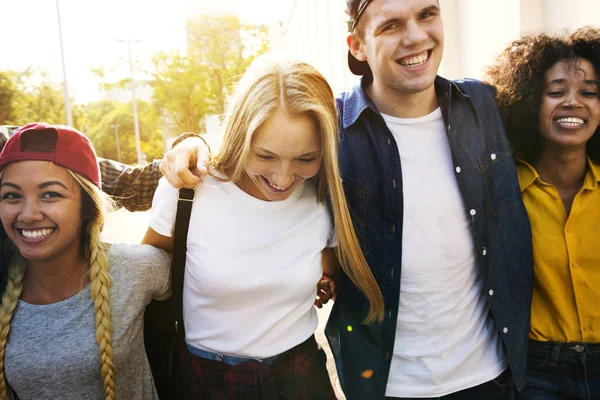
(186, 164)
(326, 290)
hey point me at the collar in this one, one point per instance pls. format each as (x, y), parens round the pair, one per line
(528, 175)
(356, 101)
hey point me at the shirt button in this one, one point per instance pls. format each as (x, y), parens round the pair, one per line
(448, 126)
(491, 293)
(458, 170)
(394, 183)
(493, 156)
(484, 251)
(473, 212)
(389, 142)
(394, 228)
(505, 330)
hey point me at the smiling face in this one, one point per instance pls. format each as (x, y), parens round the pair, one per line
(570, 104)
(402, 41)
(40, 209)
(285, 151)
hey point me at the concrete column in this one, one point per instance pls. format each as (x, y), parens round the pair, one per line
(560, 15)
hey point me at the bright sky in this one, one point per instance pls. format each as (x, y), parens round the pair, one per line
(89, 28)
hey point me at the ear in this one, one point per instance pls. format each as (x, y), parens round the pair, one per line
(355, 47)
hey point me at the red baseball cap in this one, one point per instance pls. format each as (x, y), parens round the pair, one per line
(60, 144)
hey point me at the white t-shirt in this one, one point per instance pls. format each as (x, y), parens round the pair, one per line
(252, 266)
(445, 338)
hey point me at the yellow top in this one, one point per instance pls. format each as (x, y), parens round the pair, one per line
(566, 253)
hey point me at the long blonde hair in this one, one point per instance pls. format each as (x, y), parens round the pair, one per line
(94, 205)
(298, 89)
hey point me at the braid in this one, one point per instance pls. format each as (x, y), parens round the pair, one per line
(10, 299)
(100, 292)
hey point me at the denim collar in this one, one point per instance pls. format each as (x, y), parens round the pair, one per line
(356, 101)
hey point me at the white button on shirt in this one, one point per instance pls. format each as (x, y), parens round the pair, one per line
(473, 212)
(491, 292)
(505, 330)
(458, 170)
(493, 156)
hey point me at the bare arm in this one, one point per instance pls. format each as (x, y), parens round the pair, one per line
(157, 240)
(327, 286)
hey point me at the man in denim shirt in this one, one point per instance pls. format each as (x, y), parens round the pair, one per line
(431, 183)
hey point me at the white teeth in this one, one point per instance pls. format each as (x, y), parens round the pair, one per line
(36, 234)
(415, 61)
(274, 186)
(571, 122)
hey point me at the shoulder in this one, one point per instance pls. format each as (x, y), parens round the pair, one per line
(474, 87)
(136, 255)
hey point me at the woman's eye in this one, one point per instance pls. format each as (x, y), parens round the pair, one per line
(555, 94)
(306, 160)
(590, 94)
(51, 195)
(264, 157)
(10, 196)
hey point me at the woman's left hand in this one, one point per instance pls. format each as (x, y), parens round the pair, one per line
(326, 290)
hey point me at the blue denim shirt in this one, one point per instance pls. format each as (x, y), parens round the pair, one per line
(372, 179)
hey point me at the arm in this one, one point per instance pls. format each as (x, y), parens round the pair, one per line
(327, 286)
(188, 160)
(157, 240)
(131, 187)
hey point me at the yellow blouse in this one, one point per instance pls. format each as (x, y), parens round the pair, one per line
(566, 253)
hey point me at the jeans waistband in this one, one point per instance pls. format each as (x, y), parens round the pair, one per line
(232, 360)
(572, 348)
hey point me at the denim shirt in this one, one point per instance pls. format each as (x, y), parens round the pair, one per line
(372, 178)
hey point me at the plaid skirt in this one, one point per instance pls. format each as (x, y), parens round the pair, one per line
(299, 374)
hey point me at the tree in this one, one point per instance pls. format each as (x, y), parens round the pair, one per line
(102, 116)
(225, 47)
(36, 98)
(8, 91)
(180, 90)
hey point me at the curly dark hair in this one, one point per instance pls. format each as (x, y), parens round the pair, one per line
(519, 78)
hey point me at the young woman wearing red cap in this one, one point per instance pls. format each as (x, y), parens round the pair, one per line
(260, 233)
(71, 318)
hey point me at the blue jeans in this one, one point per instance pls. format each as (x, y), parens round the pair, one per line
(501, 388)
(562, 370)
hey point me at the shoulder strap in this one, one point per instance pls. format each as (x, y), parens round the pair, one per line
(182, 224)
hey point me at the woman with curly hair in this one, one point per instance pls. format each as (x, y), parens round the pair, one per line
(71, 317)
(549, 96)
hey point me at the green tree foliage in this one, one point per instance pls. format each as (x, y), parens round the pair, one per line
(187, 88)
(180, 90)
(224, 47)
(34, 98)
(8, 91)
(101, 117)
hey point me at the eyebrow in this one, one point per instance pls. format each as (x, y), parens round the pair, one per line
(312, 153)
(399, 20)
(41, 185)
(561, 81)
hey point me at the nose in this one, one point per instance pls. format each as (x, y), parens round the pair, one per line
(31, 212)
(572, 100)
(284, 176)
(414, 33)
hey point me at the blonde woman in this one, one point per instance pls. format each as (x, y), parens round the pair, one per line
(71, 318)
(260, 236)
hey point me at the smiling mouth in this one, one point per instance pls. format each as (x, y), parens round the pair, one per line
(36, 234)
(276, 188)
(570, 122)
(416, 60)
